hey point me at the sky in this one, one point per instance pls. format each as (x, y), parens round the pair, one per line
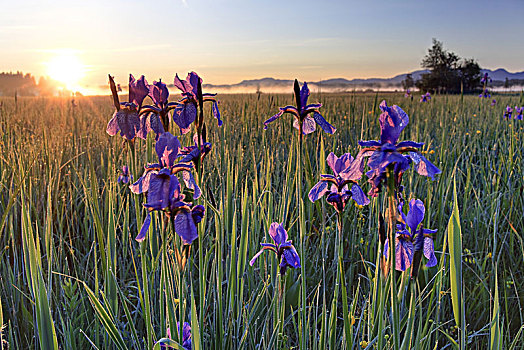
(227, 41)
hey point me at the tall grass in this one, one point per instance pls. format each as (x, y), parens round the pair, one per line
(73, 277)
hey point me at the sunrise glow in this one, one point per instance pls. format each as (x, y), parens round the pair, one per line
(66, 68)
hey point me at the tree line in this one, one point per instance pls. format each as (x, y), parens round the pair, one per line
(448, 73)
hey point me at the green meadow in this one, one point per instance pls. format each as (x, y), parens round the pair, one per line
(73, 276)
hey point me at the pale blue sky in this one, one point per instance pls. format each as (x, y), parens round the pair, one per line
(226, 41)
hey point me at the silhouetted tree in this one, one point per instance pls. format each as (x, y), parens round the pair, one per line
(448, 72)
(470, 74)
(408, 83)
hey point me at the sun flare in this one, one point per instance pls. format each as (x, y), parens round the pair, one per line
(66, 68)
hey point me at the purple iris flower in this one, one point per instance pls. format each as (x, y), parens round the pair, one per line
(192, 153)
(408, 93)
(126, 118)
(156, 117)
(518, 112)
(507, 112)
(186, 110)
(410, 238)
(493, 103)
(302, 113)
(186, 336)
(426, 97)
(485, 94)
(388, 151)
(347, 171)
(283, 248)
(485, 78)
(168, 151)
(124, 176)
(165, 194)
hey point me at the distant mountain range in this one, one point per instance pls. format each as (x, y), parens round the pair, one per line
(342, 84)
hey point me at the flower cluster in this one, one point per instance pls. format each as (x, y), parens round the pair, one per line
(159, 180)
(133, 119)
(485, 93)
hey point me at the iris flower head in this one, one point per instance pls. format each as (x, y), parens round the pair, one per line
(411, 237)
(518, 112)
(164, 192)
(186, 336)
(426, 97)
(508, 112)
(388, 152)
(342, 186)
(192, 97)
(284, 249)
(126, 118)
(302, 111)
(486, 78)
(193, 153)
(124, 176)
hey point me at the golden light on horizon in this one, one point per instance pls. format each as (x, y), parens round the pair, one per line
(65, 67)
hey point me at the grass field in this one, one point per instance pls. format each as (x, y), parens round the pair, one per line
(73, 276)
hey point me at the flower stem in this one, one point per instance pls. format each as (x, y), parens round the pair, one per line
(300, 204)
(392, 218)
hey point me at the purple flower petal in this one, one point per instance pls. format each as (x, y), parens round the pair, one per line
(159, 93)
(127, 122)
(112, 126)
(160, 186)
(371, 143)
(184, 85)
(145, 227)
(185, 114)
(142, 184)
(379, 160)
(138, 90)
(403, 254)
(423, 166)
(150, 122)
(308, 125)
(278, 233)
(415, 215)
(216, 112)
(193, 80)
(356, 168)
(319, 119)
(290, 257)
(167, 148)
(410, 144)
(392, 121)
(190, 183)
(254, 258)
(185, 226)
(358, 195)
(197, 212)
(304, 95)
(318, 191)
(429, 252)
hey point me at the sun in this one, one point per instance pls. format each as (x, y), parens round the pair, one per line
(67, 69)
